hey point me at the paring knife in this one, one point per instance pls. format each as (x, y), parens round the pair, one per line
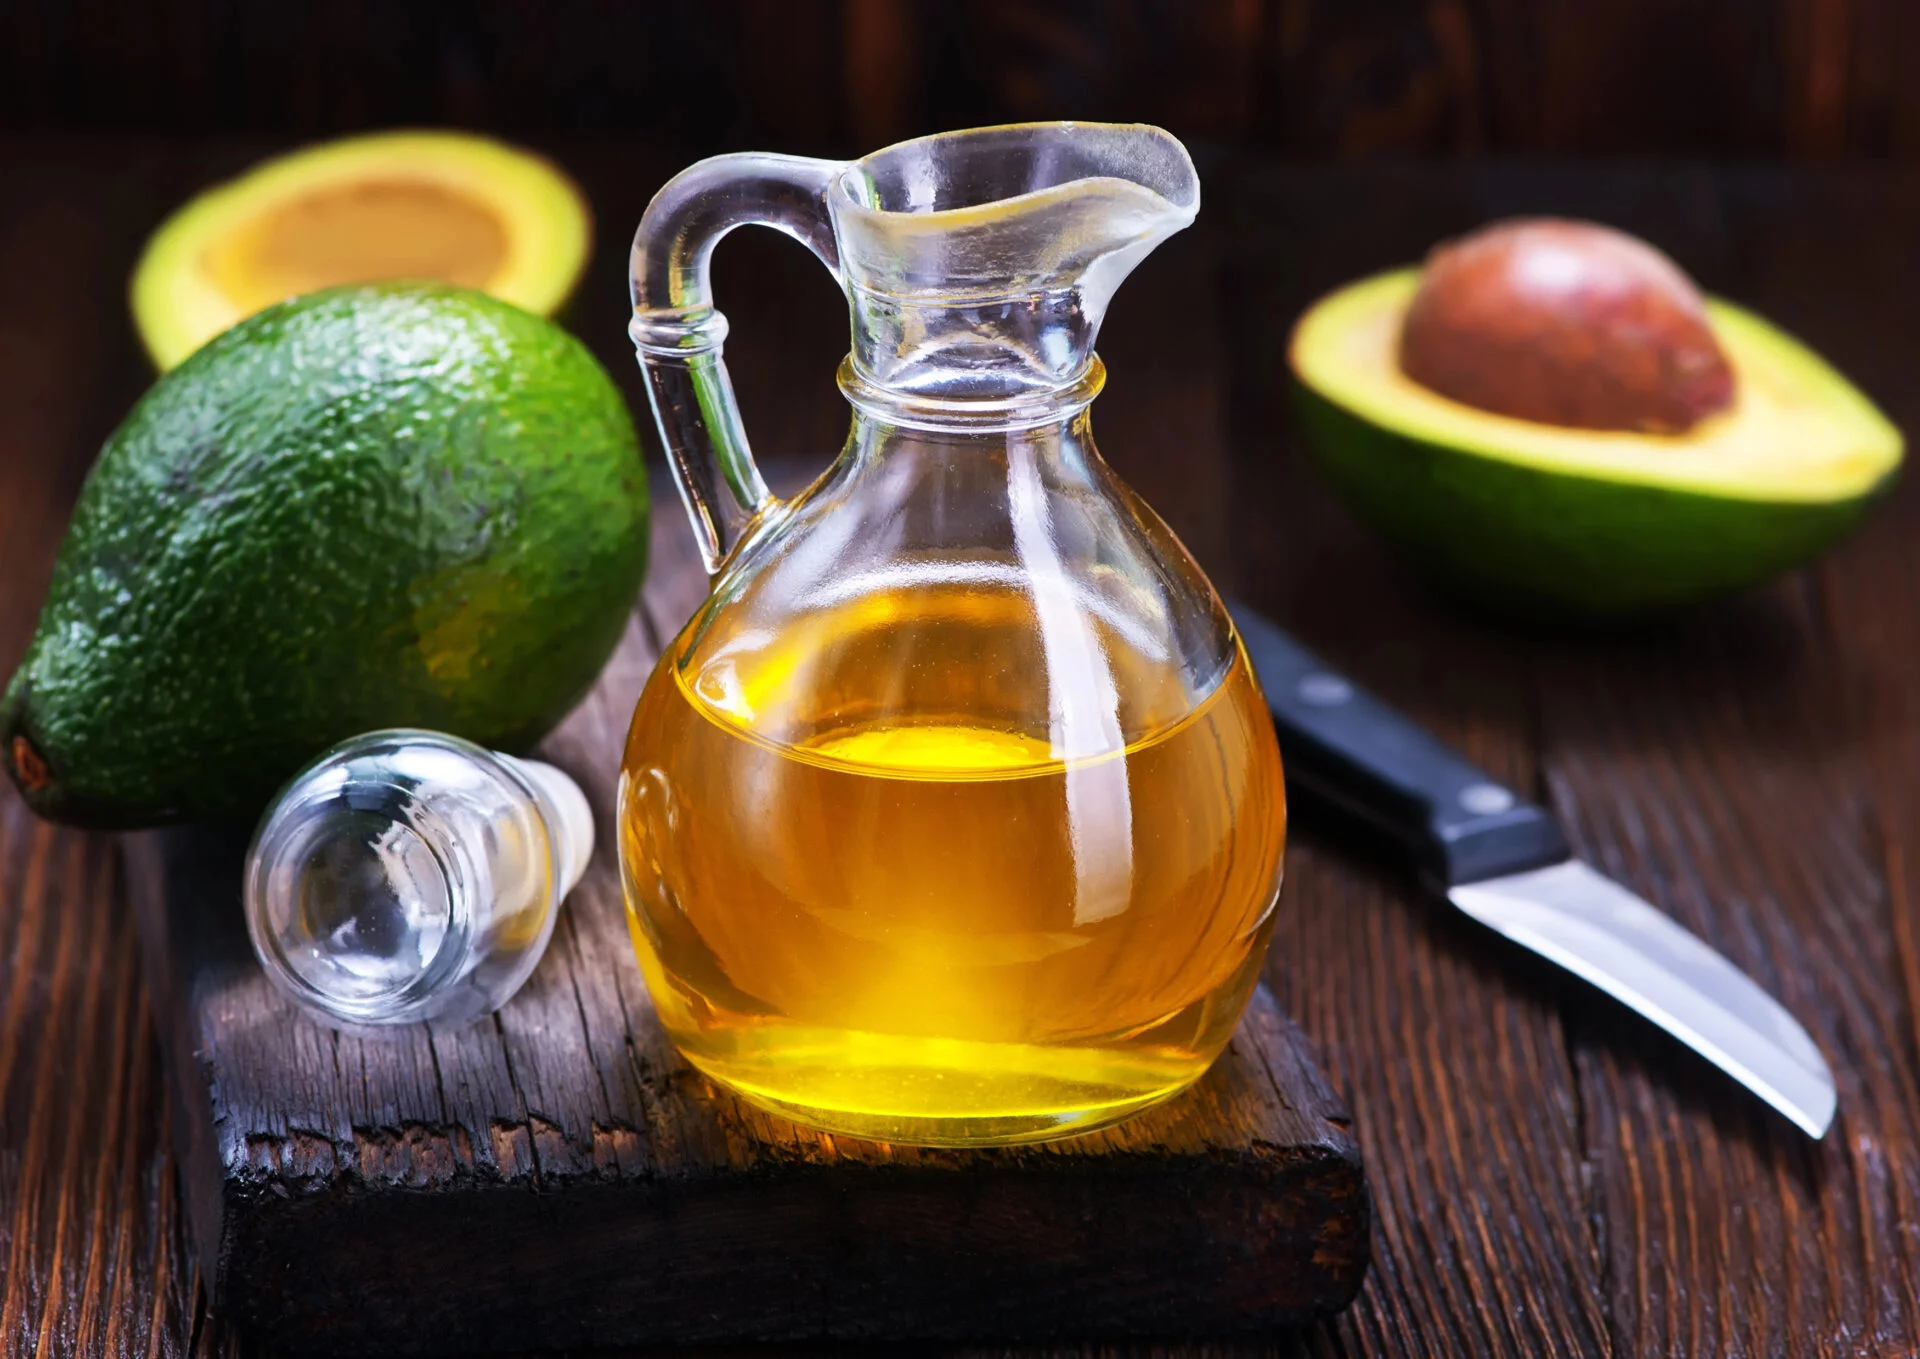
(1504, 861)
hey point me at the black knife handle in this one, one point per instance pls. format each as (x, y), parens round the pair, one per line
(1347, 748)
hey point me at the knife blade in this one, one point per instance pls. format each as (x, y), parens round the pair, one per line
(1504, 861)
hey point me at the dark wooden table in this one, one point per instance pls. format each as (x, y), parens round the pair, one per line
(1551, 1177)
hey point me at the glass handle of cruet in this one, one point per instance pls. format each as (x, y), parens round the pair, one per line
(678, 334)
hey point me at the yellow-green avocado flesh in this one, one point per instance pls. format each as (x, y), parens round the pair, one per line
(422, 205)
(1554, 520)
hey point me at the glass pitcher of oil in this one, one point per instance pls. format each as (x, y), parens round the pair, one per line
(954, 816)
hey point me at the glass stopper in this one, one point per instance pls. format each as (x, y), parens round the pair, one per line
(409, 875)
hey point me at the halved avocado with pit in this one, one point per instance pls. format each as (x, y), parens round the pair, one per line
(444, 206)
(1599, 523)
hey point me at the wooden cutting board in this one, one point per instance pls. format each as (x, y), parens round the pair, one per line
(556, 1177)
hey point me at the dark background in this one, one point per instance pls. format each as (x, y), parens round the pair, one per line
(1696, 78)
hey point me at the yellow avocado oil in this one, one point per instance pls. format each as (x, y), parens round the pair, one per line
(892, 911)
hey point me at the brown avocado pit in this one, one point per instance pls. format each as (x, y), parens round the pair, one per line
(1565, 323)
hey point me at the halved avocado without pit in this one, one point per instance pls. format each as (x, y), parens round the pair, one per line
(449, 207)
(1556, 520)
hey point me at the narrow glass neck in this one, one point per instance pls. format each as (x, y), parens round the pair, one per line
(971, 347)
(1033, 408)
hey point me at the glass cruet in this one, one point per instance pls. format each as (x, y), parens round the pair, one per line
(953, 816)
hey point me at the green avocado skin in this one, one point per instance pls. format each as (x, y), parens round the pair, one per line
(1551, 546)
(375, 506)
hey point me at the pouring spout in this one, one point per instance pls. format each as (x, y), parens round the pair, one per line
(981, 263)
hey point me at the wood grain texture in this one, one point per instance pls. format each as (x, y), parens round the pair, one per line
(92, 1258)
(1549, 1178)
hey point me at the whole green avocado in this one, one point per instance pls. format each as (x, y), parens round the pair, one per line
(374, 506)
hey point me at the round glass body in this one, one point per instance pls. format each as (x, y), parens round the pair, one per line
(954, 816)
